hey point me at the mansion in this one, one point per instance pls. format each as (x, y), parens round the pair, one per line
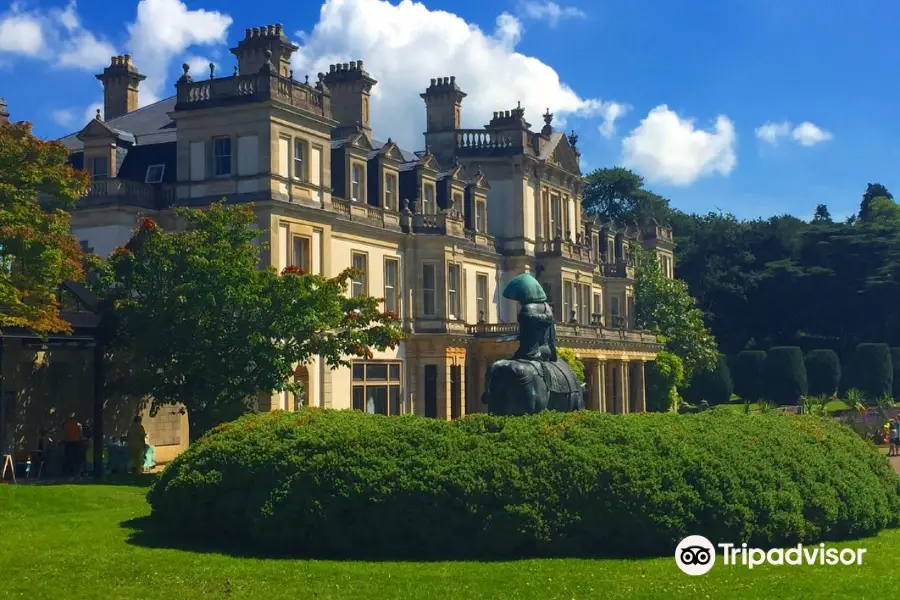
(437, 232)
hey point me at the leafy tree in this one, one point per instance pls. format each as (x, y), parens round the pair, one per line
(785, 375)
(665, 307)
(713, 385)
(664, 376)
(823, 372)
(37, 252)
(748, 372)
(822, 215)
(883, 210)
(208, 327)
(568, 355)
(873, 190)
(618, 195)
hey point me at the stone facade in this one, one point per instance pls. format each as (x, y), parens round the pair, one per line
(438, 232)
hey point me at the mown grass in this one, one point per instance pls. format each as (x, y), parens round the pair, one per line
(92, 541)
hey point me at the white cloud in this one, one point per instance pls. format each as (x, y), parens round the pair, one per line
(63, 116)
(55, 36)
(611, 112)
(163, 30)
(91, 112)
(405, 45)
(805, 134)
(200, 67)
(551, 12)
(669, 149)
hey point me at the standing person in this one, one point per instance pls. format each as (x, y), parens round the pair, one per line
(71, 445)
(135, 439)
(895, 436)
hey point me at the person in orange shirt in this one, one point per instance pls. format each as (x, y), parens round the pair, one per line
(71, 440)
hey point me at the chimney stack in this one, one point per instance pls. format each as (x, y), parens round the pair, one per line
(251, 51)
(120, 87)
(350, 84)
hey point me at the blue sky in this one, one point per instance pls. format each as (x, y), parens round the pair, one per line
(756, 107)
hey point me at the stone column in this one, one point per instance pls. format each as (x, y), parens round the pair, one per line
(640, 387)
(608, 392)
(595, 402)
(622, 395)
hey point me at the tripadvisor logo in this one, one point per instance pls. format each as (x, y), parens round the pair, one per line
(696, 555)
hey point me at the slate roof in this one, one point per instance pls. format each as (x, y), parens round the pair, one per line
(149, 125)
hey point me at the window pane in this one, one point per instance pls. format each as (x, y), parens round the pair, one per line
(428, 302)
(395, 372)
(428, 276)
(299, 156)
(358, 397)
(376, 399)
(301, 252)
(394, 407)
(376, 372)
(358, 371)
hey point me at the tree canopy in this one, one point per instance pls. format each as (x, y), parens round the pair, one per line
(618, 194)
(37, 250)
(206, 326)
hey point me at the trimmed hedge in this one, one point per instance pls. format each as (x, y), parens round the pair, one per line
(714, 385)
(785, 375)
(823, 372)
(873, 370)
(663, 376)
(346, 484)
(747, 371)
(895, 362)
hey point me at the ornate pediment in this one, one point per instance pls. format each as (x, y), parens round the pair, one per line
(97, 129)
(360, 140)
(564, 157)
(427, 161)
(391, 151)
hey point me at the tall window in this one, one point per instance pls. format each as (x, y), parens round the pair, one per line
(611, 251)
(300, 252)
(568, 301)
(376, 387)
(458, 201)
(100, 168)
(585, 305)
(392, 285)
(453, 291)
(356, 184)
(598, 304)
(428, 199)
(359, 284)
(222, 156)
(613, 312)
(480, 217)
(300, 160)
(390, 191)
(481, 295)
(428, 285)
(555, 223)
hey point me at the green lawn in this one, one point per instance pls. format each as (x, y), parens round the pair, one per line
(82, 541)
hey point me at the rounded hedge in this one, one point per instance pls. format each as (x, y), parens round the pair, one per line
(823, 372)
(747, 371)
(785, 375)
(873, 371)
(346, 484)
(713, 385)
(895, 362)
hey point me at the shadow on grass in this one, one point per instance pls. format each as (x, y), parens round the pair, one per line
(146, 532)
(138, 481)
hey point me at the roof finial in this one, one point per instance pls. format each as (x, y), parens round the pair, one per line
(98, 115)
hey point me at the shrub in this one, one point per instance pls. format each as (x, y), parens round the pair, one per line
(747, 373)
(568, 355)
(895, 362)
(712, 385)
(873, 371)
(785, 375)
(663, 376)
(823, 372)
(347, 484)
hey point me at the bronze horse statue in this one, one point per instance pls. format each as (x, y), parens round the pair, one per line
(535, 378)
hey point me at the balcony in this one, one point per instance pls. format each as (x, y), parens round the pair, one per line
(110, 190)
(255, 87)
(481, 142)
(366, 214)
(561, 248)
(572, 334)
(620, 268)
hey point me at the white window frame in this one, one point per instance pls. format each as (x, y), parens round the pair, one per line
(103, 160)
(297, 261)
(428, 204)
(482, 288)
(392, 292)
(150, 169)
(480, 216)
(300, 174)
(359, 287)
(429, 293)
(454, 285)
(357, 182)
(221, 157)
(390, 191)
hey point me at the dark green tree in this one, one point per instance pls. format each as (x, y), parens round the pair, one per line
(823, 372)
(822, 215)
(785, 375)
(873, 371)
(618, 194)
(873, 190)
(895, 362)
(713, 385)
(664, 376)
(748, 372)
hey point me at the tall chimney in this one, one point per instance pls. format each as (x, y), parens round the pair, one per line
(350, 84)
(251, 51)
(120, 87)
(4, 112)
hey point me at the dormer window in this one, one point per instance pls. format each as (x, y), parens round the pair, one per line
(390, 191)
(458, 201)
(480, 217)
(155, 174)
(100, 168)
(428, 207)
(356, 184)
